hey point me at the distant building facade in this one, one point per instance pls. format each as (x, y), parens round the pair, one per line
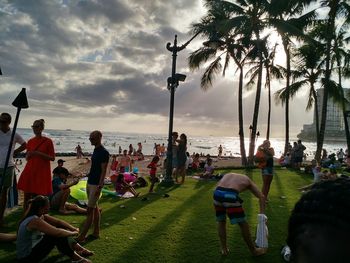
(335, 129)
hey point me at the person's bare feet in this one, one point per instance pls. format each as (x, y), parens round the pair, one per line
(259, 251)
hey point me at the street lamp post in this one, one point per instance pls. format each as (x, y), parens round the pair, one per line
(173, 83)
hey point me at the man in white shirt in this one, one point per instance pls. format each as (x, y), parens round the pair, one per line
(7, 178)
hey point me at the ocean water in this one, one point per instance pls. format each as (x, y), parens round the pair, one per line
(65, 142)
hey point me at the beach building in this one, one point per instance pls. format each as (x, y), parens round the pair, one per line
(335, 130)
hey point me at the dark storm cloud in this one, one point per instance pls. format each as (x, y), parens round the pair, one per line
(107, 55)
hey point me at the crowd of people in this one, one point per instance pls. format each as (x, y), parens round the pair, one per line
(38, 232)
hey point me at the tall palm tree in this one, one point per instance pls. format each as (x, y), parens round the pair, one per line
(308, 71)
(342, 60)
(270, 71)
(285, 16)
(337, 9)
(247, 20)
(230, 49)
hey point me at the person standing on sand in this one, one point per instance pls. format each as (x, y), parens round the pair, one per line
(36, 176)
(220, 151)
(7, 179)
(227, 202)
(96, 177)
(79, 151)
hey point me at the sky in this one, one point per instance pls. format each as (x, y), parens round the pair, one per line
(103, 65)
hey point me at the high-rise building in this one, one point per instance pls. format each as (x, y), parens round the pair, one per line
(335, 130)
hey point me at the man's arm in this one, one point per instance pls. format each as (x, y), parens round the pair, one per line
(102, 177)
(254, 189)
(20, 148)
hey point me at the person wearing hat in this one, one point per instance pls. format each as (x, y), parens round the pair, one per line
(60, 163)
(7, 178)
(61, 192)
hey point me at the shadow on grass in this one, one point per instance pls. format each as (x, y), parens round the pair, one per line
(149, 239)
(131, 205)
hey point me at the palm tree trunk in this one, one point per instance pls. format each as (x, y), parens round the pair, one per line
(345, 113)
(286, 50)
(269, 102)
(256, 114)
(240, 118)
(317, 119)
(329, 34)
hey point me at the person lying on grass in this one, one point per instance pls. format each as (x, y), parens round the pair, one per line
(61, 192)
(38, 233)
(227, 202)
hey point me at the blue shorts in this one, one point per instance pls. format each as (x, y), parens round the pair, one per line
(227, 202)
(267, 171)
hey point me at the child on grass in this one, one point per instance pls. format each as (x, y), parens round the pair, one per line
(152, 173)
(121, 186)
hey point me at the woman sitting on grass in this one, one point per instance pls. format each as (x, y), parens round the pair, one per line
(121, 186)
(39, 233)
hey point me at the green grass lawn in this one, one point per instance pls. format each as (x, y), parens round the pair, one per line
(182, 227)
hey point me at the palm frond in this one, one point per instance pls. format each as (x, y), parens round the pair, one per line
(214, 68)
(200, 56)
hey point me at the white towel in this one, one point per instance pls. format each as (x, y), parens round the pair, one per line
(262, 232)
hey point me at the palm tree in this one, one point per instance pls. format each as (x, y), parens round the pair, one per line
(342, 59)
(270, 71)
(337, 9)
(284, 16)
(247, 20)
(308, 70)
(229, 49)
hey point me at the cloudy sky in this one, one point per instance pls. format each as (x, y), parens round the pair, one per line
(103, 65)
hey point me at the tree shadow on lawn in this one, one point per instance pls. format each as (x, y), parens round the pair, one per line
(126, 207)
(149, 241)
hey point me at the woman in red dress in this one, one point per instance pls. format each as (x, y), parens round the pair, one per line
(36, 176)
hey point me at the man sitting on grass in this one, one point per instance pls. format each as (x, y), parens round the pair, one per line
(61, 192)
(227, 202)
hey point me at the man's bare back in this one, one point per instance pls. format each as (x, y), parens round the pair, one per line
(238, 182)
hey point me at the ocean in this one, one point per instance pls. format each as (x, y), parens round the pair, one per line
(65, 142)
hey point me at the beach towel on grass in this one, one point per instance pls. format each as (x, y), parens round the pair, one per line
(262, 232)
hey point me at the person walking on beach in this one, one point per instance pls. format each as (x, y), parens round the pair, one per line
(340, 155)
(36, 175)
(79, 151)
(267, 171)
(227, 202)
(96, 176)
(220, 151)
(7, 179)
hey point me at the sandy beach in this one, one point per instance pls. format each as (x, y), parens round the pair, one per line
(75, 165)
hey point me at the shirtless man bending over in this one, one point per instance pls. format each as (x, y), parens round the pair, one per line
(227, 202)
